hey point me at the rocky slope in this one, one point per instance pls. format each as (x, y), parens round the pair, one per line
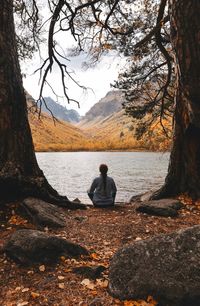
(60, 112)
(104, 127)
(110, 129)
(107, 106)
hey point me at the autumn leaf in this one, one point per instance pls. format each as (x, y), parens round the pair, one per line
(60, 277)
(23, 303)
(17, 220)
(67, 270)
(42, 268)
(149, 302)
(34, 295)
(138, 238)
(61, 285)
(93, 292)
(25, 290)
(94, 256)
(87, 283)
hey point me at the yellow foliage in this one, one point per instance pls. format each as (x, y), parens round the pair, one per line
(17, 220)
(149, 302)
(114, 133)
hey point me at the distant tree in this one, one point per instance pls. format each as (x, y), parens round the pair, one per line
(99, 26)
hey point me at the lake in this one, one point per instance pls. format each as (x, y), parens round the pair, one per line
(71, 173)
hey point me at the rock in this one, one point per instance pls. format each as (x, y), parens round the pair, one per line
(42, 213)
(164, 207)
(93, 272)
(166, 267)
(30, 246)
(76, 200)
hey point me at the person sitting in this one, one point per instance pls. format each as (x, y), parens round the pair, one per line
(103, 189)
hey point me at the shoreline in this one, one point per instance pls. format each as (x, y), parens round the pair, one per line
(94, 151)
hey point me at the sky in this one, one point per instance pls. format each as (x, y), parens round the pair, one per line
(97, 79)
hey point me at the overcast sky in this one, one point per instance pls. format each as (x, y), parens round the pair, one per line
(97, 78)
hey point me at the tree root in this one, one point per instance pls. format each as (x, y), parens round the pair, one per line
(17, 188)
(164, 192)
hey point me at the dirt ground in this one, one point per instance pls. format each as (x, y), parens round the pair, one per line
(102, 232)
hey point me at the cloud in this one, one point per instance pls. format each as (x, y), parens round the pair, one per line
(97, 79)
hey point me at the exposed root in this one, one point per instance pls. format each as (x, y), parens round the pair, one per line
(14, 188)
(164, 192)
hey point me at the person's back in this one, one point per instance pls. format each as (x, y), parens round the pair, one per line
(103, 189)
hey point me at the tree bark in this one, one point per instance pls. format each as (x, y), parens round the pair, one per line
(20, 174)
(184, 167)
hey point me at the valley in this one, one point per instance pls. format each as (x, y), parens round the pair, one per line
(104, 127)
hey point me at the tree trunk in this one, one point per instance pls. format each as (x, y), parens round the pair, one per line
(20, 174)
(184, 168)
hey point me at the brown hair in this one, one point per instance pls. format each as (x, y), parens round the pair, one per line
(103, 170)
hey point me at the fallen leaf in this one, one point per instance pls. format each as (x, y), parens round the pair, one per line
(17, 220)
(138, 238)
(93, 292)
(106, 242)
(60, 277)
(67, 270)
(87, 283)
(94, 256)
(61, 285)
(149, 302)
(42, 268)
(35, 295)
(22, 303)
(25, 289)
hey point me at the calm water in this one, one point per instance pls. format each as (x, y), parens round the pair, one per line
(134, 172)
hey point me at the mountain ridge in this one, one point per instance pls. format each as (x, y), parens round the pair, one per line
(59, 111)
(108, 128)
(106, 106)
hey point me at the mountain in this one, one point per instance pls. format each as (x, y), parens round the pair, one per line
(109, 128)
(105, 127)
(50, 135)
(107, 106)
(59, 111)
(56, 136)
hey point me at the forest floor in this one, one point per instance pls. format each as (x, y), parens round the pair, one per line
(102, 232)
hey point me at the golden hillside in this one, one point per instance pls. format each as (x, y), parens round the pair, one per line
(116, 132)
(58, 136)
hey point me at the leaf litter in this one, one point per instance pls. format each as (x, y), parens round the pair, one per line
(102, 232)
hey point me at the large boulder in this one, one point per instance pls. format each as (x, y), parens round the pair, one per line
(31, 246)
(164, 207)
(42, 213)
(166, 267)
